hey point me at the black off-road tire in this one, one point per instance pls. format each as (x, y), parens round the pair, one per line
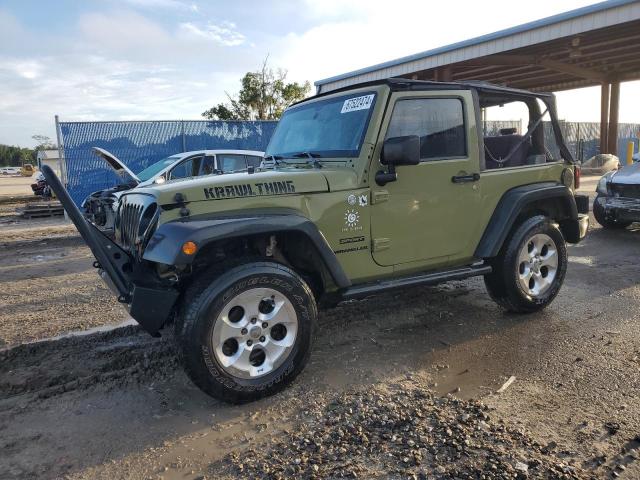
(502, 283)
(203, 302)
(601, 217)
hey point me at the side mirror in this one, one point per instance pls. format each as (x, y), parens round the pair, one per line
(401, 151)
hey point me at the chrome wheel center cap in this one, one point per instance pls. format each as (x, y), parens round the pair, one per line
(536, 265)
(255, 332)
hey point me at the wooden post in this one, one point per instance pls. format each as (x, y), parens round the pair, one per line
(447, 74)
(614, 108)
(604, 116)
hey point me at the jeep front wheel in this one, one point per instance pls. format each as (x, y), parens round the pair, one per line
(246, 332)
(528, 273)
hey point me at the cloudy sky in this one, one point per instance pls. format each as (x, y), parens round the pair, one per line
(172, 59)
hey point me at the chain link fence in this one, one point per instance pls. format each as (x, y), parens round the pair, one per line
(583, 138)
(139, 144)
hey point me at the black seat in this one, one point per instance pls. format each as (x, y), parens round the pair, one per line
(498, 148)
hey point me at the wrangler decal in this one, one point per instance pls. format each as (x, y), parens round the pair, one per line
(250, 190)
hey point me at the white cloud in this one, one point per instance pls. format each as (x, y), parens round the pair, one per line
(123, 31)
(224, 33)
(29, 69)
(154, 4)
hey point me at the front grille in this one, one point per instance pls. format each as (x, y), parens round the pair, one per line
(623, 190)
(131, 212)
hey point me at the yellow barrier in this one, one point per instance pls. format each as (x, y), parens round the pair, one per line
(630, 147)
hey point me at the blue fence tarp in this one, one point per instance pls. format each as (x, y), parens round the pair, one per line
(141, 143)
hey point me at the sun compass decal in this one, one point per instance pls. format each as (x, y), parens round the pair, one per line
(351, 218)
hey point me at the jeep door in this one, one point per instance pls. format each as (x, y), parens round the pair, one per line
(425, 215)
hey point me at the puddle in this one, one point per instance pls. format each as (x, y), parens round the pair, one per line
(582, 260)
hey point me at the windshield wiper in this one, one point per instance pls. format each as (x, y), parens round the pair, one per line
(311, 156)
(274, 158)
(306, 154)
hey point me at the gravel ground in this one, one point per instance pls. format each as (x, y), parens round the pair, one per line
(400, 431)
(414, 364)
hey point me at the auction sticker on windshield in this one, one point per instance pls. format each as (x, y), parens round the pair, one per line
(357, 103)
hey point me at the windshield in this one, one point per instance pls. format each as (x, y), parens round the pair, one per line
(327, 128)
(152, 170)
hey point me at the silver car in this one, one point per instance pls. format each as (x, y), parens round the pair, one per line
(99, 207)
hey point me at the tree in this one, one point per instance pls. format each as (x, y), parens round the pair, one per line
(44, 143)
(264, 95)
(15, 156)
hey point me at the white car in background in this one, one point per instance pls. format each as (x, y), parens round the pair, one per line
(10, 171)
(100, 206)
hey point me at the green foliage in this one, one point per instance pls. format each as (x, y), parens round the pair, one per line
(264, 95)
(11, 156)
(44, 143)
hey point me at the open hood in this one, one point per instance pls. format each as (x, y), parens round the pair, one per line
(117, 165)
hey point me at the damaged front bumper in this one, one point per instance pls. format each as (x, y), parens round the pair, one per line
(148, 302)
(620, 209)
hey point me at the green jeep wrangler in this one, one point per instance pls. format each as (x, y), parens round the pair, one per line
(372, 187)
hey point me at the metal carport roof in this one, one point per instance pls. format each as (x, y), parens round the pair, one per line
(588, 46)
(594, 45)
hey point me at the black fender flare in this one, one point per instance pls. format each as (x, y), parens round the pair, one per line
(514, 202)
(165, 245)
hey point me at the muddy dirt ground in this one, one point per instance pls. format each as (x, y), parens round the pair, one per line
(47, 284)
(115, 404)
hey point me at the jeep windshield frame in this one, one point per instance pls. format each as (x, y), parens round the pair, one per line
(331, 128)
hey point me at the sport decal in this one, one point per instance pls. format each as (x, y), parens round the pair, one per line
(357, 103)
(249, 190)
(351, 240)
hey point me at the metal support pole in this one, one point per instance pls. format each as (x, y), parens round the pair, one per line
(614, 108)
(184, 140)
(604, 117)
(61, 159)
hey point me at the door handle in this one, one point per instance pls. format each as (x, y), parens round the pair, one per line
(474, 177)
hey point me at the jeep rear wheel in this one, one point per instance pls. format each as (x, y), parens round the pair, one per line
(528, 273)
(246, 332)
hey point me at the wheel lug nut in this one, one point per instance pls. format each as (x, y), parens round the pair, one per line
(249, 343)
(254, 320)
(262, 338)
(243, 331)
(265, 324)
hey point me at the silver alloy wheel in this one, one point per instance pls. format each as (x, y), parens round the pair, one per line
(537, 264)
(255, 333)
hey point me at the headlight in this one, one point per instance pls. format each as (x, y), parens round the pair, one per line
(602, 185)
